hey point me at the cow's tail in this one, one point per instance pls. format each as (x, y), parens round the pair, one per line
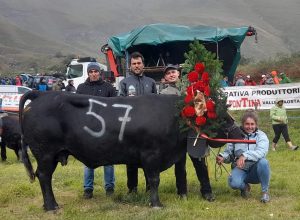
(25, 158)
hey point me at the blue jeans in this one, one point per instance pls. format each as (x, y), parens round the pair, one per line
(109, 177)
(258, 173)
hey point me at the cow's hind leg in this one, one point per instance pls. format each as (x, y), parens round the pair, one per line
(153, 178)
(3, 151)
(17, 153)
(45, 170)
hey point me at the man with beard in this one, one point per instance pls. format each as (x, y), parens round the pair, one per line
(136, 84)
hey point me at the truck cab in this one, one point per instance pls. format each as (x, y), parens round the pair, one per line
(77, 70)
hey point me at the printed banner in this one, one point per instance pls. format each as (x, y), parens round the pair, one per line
(10, 102)
(263, 96)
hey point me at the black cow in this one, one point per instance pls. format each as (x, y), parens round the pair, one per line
(11, 135)
(100, 131)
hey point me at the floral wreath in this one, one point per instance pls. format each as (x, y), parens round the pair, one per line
(204, 103)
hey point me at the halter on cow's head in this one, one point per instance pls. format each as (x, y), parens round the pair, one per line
(230, 130)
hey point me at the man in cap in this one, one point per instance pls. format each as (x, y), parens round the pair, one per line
(136, 84)
(171, 77)
(284, 78)
(249, 81)
(95, 86)
(263, 79)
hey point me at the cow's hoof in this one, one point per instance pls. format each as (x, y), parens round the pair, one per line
(156, 206)
(51, 209)
(208, 196)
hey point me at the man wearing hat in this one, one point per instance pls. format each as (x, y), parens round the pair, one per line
(249, 81)
(171, 76)
(136, 84)
(263, 79)
(284, 78)
(95, 86)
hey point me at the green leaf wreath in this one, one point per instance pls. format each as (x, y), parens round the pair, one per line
(203, 104)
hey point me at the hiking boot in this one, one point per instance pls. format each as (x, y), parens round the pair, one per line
(245, 193)
(294, 148)
(88, 194)
(265, 198)
(110, 191)
(208, 196)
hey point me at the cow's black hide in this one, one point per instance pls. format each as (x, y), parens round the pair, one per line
(11, 135)
(100, 131)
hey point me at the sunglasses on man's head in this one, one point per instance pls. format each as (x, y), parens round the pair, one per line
(93, 71)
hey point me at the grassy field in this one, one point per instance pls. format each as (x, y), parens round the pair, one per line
(20, 199)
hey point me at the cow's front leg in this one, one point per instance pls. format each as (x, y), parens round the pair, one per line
(44, 175)
(153, 178)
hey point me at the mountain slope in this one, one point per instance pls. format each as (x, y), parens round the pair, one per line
(48, 26)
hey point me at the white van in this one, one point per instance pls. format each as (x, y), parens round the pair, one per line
(77, 70)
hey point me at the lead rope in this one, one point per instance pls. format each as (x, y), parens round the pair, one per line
(219, 168)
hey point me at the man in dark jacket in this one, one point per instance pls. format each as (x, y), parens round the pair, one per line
(171, 76)
(95, 86)
(70, 87)
(135, 85)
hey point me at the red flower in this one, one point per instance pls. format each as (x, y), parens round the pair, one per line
(200, 120)
(207, 91)
(205, 77)
(210, 105)
(190, 90)
(193, 76)
(199, 86)
(189, 111)
(188, 99)
(199, 67)
(212, 114)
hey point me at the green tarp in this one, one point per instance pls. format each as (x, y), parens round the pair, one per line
(173, 40)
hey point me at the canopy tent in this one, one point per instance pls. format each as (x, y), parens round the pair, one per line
(166, 43)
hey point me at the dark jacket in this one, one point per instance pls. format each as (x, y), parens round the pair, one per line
(96, 88)
(70, 88)
(137, 85)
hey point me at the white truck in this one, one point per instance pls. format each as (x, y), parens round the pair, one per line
(77, 70)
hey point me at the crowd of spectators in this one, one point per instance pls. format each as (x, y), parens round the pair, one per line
(266, 79)
(11, 80)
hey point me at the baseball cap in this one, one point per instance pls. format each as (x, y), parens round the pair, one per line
(170, 66)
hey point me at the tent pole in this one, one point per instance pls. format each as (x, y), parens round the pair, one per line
(127, 63)
(217, 43)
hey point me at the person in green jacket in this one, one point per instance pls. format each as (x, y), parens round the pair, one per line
(284, 78)
(279, 124)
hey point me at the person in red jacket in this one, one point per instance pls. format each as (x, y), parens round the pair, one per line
(18, 81)
(249, 81)
(263, 79)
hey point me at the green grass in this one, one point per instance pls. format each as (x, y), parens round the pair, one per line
(19, 199)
